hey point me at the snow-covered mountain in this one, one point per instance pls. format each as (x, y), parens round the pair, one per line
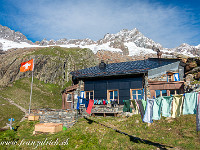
(127, 36)
(127, 42)
(8, 44)
(198, 46)
(8, 34)
(10, 39)
(187, 49)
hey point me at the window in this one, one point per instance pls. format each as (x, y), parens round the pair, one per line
(89, 94)
(178, 91)
(157, 93)
(174, 92)
(69, 97)
(113, 95)
(160, 93)
(169, 78)
(136, 94)
(173, 76)
(164, 93)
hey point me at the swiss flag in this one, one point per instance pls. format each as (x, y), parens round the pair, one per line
(26, 66)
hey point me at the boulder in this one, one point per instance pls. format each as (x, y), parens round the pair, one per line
(189, 78)
(190, 66)
(198, 75)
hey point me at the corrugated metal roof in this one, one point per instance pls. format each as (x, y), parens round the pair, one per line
(131, 67)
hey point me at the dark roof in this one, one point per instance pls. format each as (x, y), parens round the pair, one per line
(131, 67)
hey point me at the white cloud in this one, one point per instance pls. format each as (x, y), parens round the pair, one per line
(40, 19)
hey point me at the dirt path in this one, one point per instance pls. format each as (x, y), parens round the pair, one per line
(13, 103)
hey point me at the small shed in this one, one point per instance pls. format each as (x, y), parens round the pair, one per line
(68, 97)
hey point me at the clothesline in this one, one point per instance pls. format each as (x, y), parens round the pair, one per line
(171, 106)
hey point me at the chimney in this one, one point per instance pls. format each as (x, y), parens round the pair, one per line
(102, 65)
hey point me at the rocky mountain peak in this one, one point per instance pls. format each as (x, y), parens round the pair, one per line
(185, 45)
(44, 42)
(128, 42)
(7, 33)
(187, 49)
(126, 36)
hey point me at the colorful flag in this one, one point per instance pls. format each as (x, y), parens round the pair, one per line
(26, 66)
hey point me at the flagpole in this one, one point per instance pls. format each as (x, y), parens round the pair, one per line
(31, 89)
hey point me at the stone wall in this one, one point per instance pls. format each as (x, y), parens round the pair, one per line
(67, 117)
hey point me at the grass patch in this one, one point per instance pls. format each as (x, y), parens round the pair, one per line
(7, 111)
(61, 52)
(45, 95)
(180, 133)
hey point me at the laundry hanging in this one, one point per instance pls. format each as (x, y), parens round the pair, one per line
(95, 102)
(166, 106)
(190, 103)
(157, 108)
(78, 103)
(104, 102)
(177, 105)
(84, 101)
(99, 102)
(127, 107)
(135, 107)
(141, 108)
(198, 113)
(149, 111)
(89, 108)
(144, 103)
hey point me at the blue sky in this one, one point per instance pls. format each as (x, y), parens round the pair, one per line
(168, 22)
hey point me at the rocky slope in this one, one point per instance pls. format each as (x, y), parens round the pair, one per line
(52, 64)
(192, 74)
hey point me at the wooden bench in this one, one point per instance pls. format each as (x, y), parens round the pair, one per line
(104, 113)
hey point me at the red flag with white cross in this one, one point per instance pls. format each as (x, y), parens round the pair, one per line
(26, 66)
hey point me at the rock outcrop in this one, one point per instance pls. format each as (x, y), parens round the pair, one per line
(192, 74)
(52, 65)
